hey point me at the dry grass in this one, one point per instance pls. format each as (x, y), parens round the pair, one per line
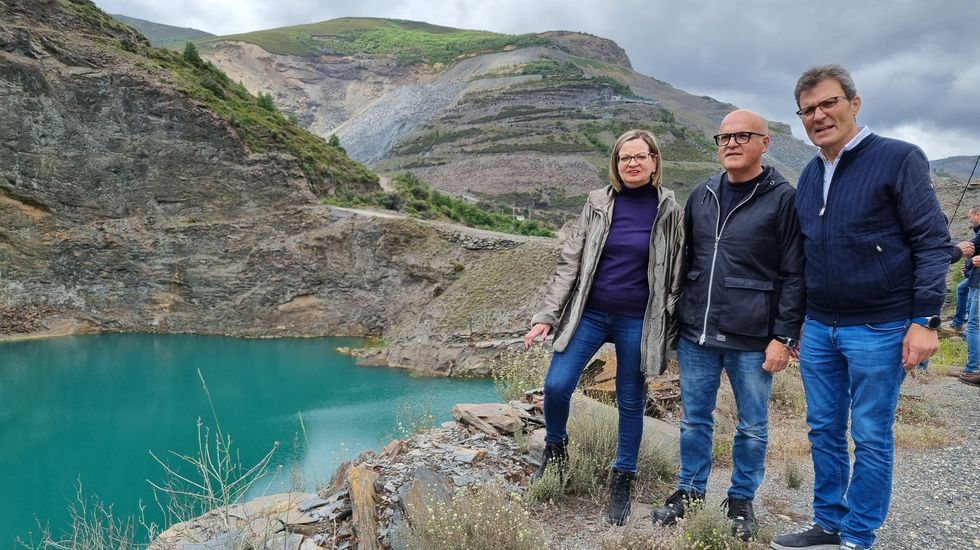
(593, 433)
(706, 528)
(548, 487)
(630, 539)
(515, 372)
(478, 518)
(918, 426)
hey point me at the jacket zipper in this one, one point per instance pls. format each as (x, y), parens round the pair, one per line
(826, 247)
(714, 253)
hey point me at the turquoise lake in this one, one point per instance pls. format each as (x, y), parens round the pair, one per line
(90, 409)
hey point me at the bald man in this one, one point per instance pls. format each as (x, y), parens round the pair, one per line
(741, 312)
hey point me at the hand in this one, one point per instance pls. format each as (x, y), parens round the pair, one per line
(777, 357)
(967, 248)
(975, 261)
(540, 329)
(920, 344)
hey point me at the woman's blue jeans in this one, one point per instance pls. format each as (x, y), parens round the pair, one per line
(595, 329)
(701, 368)
(852, 372)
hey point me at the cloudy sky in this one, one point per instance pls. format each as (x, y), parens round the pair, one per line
(916, 64)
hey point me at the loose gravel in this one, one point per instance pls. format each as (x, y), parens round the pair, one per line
(935, 499)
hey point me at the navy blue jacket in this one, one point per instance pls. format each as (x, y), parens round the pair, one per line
(744, 280)
(879, 249)
(969, 272)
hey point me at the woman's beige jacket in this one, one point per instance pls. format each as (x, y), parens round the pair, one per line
(567, 292)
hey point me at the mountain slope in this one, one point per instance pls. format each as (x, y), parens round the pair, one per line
(525, 120)
(159, 35)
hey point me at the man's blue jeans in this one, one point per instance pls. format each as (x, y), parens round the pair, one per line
(852, 371)
(962, 292)
(972, 332)
(595, 329)
(701, 368)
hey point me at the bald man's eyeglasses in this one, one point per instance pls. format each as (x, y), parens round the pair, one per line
(741, 138)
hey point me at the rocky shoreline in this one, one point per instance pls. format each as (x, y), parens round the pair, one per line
(369, 498)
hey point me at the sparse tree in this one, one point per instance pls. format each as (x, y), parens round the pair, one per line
(192, 56)
(334, 141)
(265, 101)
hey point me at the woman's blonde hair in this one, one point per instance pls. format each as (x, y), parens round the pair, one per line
(651, 142)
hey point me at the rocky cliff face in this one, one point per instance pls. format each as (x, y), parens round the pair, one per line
(125, 204)
(527, 127)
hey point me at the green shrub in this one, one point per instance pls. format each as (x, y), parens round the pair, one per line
(265, 101)
(192, 56)
(793, 474)
(706, 528)
(417, 198)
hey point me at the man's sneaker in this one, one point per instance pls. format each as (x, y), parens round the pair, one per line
(811, 538)
(673, 509)
(743, 517)
(851, 546)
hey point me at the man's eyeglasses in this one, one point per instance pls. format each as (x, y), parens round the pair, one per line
(741, 138)
(825, 105)
(639, 158)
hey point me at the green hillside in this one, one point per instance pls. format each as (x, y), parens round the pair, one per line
(162, 36)
(409, 41)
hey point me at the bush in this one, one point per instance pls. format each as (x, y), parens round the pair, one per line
(265, 101)
(192, 56)
(334, 141)
(417, 198)
(547, 487)
(793, 474)
(593, 436)
(706, 529)
(478, 518)
(515, 372)
(414, 417)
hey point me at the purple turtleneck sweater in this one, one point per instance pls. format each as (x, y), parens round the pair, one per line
(620, 284)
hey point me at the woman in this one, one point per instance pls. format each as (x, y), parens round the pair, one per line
(618, 280)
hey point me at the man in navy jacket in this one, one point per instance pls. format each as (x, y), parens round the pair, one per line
(877, 252)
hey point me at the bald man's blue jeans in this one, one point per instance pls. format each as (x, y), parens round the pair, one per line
(852, 372)
(701, 368)
(595, 329)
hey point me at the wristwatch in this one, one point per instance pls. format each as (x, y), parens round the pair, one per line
(931, 323)
(787, 341)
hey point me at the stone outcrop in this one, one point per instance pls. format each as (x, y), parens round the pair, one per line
(371, 499)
